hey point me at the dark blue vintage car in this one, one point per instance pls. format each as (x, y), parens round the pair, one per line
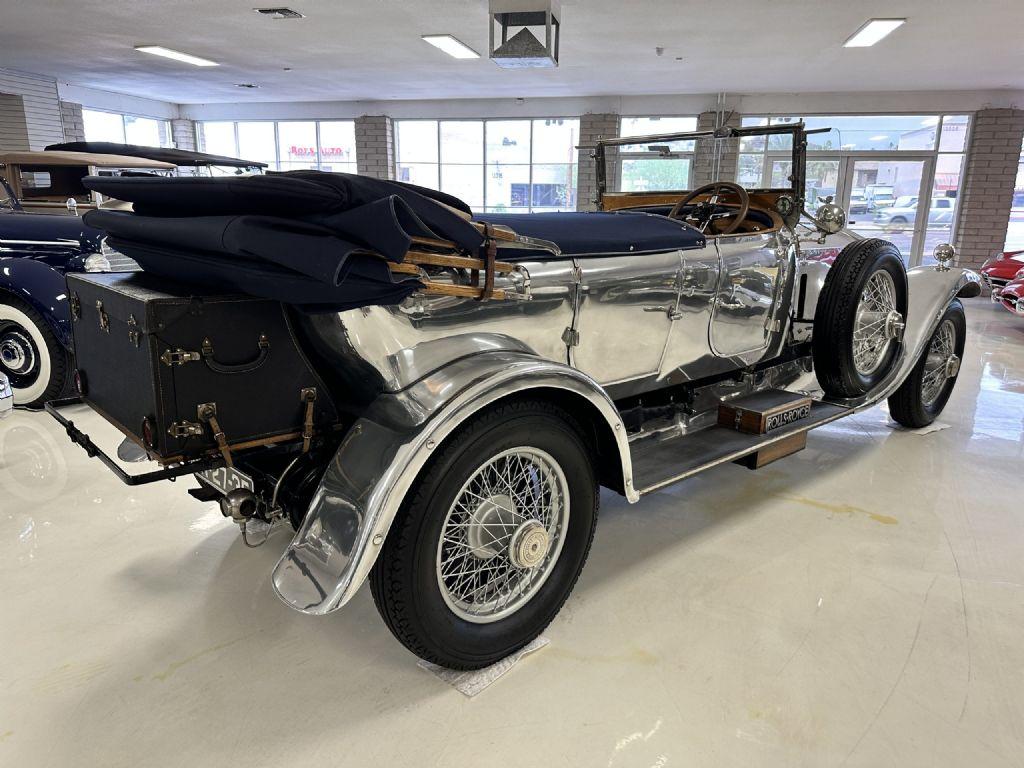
(42, 237)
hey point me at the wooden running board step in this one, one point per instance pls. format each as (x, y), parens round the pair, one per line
(658, 462)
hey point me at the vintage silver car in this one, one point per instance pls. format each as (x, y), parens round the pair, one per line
(624, 351)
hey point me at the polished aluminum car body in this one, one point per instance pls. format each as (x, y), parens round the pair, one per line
(595, 332)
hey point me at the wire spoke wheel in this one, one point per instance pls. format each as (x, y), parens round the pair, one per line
(873, 331)
(937, 367)
(502, 535)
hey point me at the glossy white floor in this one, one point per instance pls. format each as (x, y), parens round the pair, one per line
(861, 603)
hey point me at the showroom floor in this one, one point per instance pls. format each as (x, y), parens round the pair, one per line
(861, 603)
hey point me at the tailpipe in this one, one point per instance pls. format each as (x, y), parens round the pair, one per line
(239, 505)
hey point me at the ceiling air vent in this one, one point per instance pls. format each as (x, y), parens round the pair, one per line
(279, 13)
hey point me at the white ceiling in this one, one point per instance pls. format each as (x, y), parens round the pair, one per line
(371, 50)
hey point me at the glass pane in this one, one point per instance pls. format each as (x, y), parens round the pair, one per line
(508, 188)
(943, 205)
(781, 171)
(644, 175)
(555, 140)
(646, 126)
(886, 182)
(1015, 232)
(217, 138)
(462, 142)
(296, 143)
(874, 132)
(751, 168)
(103, 126)
(145, 131)
(417, 141)
(508, 141)
(954, 133)
(554, 186)
(822, 181)
(466, 182)
(338, 146)
(423, 174)
(256, 142)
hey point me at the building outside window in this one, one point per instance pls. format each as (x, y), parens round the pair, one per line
(126, 129)
(285, 145)
(649, 168)
(1015, 230)
(897, 175)
(499, 166)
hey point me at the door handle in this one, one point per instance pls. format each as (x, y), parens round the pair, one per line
(671, 312)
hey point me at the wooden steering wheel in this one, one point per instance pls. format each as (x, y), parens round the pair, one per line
(704, 213)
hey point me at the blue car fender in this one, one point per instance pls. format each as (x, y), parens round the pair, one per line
(41, 287)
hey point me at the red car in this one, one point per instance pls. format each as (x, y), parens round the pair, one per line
(1012, 294)
(996, 273)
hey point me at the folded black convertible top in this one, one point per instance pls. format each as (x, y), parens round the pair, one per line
(318, 240)
(180, 157)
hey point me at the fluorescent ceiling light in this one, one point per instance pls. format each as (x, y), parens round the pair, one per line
(451, 46)
(168, 53)
(873, 31)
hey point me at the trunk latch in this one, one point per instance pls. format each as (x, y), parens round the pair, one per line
(104, 320)
(179, 357)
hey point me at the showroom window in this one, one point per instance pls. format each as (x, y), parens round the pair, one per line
(1015, 230)
(284, 145)
(884, 169)
(647, 168)
(126, 129)
(499, 166)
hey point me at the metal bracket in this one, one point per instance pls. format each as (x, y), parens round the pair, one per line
(179, 357)
(570, 337)
(76, 307)
(133, 330)
(183, 429)
(104, 320)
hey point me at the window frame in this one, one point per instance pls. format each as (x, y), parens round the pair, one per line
(277, 138)
(690, 156)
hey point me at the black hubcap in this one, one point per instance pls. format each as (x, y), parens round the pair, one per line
(19, 356)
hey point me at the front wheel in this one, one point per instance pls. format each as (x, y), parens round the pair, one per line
(491, 538)
(34, 361)
(921, 398)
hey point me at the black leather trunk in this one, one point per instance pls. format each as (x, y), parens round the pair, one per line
(153, 353)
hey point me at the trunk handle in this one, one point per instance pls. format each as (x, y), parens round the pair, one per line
(247, 367)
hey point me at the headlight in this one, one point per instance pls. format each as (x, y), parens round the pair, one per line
(1019, 275)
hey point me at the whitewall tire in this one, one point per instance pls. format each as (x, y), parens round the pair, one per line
(30, 355)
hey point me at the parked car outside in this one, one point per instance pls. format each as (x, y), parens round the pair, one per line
(903, 212)
(879, 197)
(42, 237)
(859, 202)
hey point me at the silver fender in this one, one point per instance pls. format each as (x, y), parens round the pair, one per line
(377, 462)
(931, 289)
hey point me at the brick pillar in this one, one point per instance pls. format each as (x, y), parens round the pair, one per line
(71, 118)
(986, 191)
(704, 161)
(592, 128)
(375, 146)
(183, 134)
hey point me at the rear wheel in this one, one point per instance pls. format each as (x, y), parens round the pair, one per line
(921, 398)
(859, 321)
(491, 539)
(34, 361)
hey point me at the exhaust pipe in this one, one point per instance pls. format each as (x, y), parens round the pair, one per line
(238, 504)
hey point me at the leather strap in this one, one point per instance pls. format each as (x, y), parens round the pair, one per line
(210, 416)
(309, 396)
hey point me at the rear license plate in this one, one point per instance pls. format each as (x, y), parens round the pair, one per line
(226, 479)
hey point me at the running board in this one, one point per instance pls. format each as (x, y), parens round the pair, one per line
(660, 461)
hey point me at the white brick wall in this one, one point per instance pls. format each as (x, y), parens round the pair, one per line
(594, 126)
(183, 134)
(71, 118)
(375, 146)
(986, 191)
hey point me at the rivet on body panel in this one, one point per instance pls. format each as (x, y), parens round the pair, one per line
(430, 445)
(378, 539)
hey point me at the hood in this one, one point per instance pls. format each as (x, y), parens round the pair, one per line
(53, 232)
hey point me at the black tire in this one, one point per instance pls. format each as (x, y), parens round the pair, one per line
(836, 314)
(404, 580)
(27, 340)
(907, 404)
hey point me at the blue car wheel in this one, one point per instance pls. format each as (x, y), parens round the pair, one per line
(31, 357)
